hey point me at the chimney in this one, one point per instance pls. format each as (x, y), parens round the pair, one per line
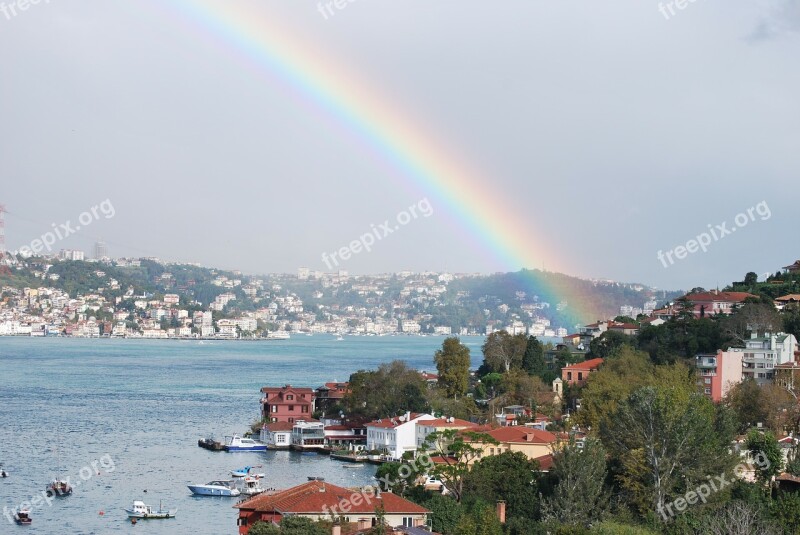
(336, 529)
(501, 511)
(408, 416)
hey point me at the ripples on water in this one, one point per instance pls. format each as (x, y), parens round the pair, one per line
(65, 403)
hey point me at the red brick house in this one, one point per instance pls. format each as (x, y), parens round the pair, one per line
(318, 500)
(287, 403)
(577, 374)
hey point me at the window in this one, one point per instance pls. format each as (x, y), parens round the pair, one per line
(291, 420)
(580, 376)
(708, 381)
(304, 408)
(289, 397)
(569, 376)
(291, 408)
(408, 522)
(274, 408)
(707, 391)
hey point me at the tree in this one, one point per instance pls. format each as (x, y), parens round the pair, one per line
(740, 518)
(501, 351)
(533, 358)
(580, 496)
(452, 364)
(751, 279)
(392, 389)
(291, 525)
(661, 441)
(508, 476)
(446, 513)
(456, 451)
(481, 521)
(608, 344)
(766, 453)
(757, 318)
(519, 388)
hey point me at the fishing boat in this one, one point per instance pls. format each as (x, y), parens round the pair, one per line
(245, 471)
(59, 488)
(144, 511)
(237, 443)
(215, 488)
(23, 517)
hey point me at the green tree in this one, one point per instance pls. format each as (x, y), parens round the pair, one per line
(446, 513)
(608, 344)
(580, 496)
(533, 358)
(481, 521)
(456, 450)
(508, 476)
(766, 452)
(502, 352)
(452, 364)
(392, 389)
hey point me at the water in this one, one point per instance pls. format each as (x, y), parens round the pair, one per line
(122, 416)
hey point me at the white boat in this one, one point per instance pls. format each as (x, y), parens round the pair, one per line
(245, 471)
(237, 443)
(215, 488)
(250, 485)
(278, 335)
(142, 510)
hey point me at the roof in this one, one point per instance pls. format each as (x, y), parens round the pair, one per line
(394, 421)
(320, 497)
(546, 462)
(278, 426)
(522, 434)
(287, 388)
(444, 422)
(589, 365)
(725, 297)
(789, 298)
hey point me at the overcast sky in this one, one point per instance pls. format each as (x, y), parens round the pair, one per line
(610, 130)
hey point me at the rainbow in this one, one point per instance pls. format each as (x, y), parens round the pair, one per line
(324, 85)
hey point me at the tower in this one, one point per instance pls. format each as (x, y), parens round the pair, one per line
(100, 250)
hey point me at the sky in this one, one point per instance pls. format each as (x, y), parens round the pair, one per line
(632, 140)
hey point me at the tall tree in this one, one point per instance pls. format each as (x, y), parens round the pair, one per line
(455, 451)
(509, 477)
(390, 390)
(766, 453)
(580, 496)
(502, 352)
(452, 364)
(533, 358)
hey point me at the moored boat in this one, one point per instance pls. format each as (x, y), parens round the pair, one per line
(250, 485)
(215, 488)
(144, 511)
(245, 471)
(23, 517)
(237, 443)
(59, 488)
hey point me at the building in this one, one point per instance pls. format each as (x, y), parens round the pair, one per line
(396, 435)
(277, 435)
(718, 373)
(788, 375)
(426, 427)
(100, 250)
(287, 403)
(308, 435)
(786, 300)
(576, 374)
(342, 435)
(714, 302)
(762, 354)
(534, 443)
(319, 500)
(330, 394)
(794, 268)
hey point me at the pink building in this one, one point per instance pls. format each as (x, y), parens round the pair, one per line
(718, 373)
(287, 403)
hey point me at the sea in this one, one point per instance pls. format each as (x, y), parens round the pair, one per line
(121, 419)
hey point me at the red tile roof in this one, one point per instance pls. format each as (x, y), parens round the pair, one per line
(522, 434)
(279, 426)
(589, 365)
(320, 497)
(722, 297)
(443, 422)
(391, 423)
(546, 462)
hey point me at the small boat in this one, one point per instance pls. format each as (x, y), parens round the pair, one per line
(59, 488)
(237, 443)
(352, 465)
(315, 478)
(23, 517)
(215, 488)
(339, 338)
(250, 485)
(245, 471)
(3, 472)
(141, 510)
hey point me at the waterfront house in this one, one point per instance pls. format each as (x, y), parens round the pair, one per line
(318, 500)
(287, 403)
(396, 435)
(576, 374)
(308, 435)
(345, 435)
(426, 427)
(277, 435)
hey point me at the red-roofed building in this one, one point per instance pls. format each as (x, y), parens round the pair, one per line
(426, 427)
(530, 441)
(431, 378)
(277, 435)
(546, 463)
(330, 394)
(715, 302)
(318, 500)
(396, 435)
(287, 403)
(576, 374)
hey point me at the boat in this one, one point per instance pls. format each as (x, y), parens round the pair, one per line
(142, 510)
(23, 517)
(211, 444)
(245, 471)
(215, 488)
(352, 465)
(3, 472)
(237, 443)
(278, 335)
(339, 338)
(250, 485)
(59, 488)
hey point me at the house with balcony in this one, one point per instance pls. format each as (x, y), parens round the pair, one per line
(286, 403)
(396, 435)
(718, 373)
(761, 355)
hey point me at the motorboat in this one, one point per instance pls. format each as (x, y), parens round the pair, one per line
(215, 488)
(245, 471)
(23, 517)
(237, 443)
(250, 485)
(59, 488)
(142, 510)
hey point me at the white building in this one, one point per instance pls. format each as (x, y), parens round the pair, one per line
(426, 427)
(277, 435)
(762, 354)
(396, 435)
